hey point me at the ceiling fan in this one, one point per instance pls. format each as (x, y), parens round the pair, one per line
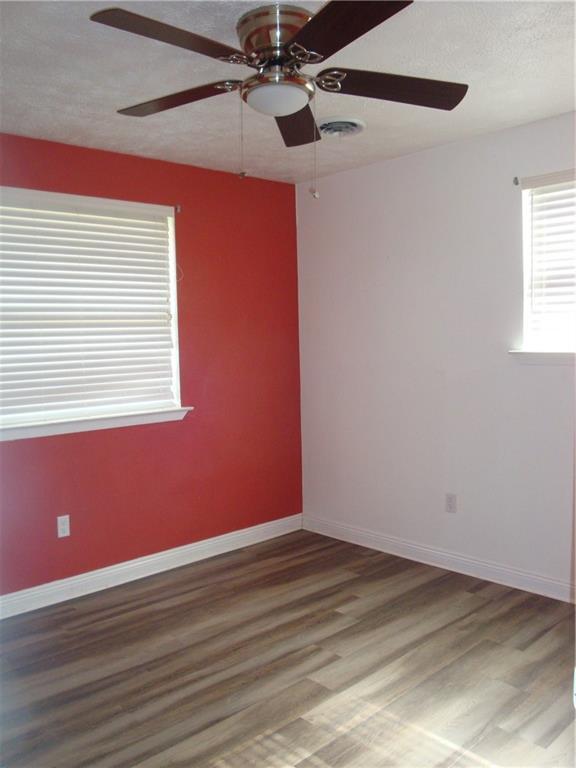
(277, 41)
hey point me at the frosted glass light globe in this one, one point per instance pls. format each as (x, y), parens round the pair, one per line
(277, 99)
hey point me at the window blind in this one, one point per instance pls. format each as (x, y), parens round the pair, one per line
(550, 263)
(87, 308)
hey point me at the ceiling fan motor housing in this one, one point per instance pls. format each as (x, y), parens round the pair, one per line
(265, 31)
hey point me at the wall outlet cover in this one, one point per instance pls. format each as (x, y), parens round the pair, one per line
(63, 526)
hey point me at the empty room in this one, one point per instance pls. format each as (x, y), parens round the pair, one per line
(287, 391)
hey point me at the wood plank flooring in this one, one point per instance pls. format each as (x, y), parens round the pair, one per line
(301, 652)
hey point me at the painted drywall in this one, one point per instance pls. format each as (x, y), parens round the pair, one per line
(235, 460)
(410, 285)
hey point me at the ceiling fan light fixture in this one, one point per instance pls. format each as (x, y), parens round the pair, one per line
(277, 99)
(277, 92)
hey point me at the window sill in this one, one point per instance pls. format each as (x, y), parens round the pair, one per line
(527, 357)
(90, 424)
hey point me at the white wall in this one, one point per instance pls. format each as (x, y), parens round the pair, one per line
(410, 298)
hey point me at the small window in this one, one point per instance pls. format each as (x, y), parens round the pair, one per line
(88, 312)
(549, 214)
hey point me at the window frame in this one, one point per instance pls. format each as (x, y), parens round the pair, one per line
(116, 418)
(527, 353)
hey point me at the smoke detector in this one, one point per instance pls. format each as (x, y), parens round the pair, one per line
(341, 126)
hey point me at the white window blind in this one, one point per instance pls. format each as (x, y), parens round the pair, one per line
(88, 308)
(549, 211)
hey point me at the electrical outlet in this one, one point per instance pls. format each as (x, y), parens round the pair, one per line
(63, 526)
(451, 503)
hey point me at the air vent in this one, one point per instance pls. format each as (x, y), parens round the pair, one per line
(341, 126)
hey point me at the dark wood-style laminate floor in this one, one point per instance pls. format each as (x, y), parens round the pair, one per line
(301, 651)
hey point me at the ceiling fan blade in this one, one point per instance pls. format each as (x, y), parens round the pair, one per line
(299, 128)
(182, 97)
(379, 85)
(340, 22)
(164, 33)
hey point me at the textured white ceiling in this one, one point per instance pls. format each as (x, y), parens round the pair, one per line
(64, 77)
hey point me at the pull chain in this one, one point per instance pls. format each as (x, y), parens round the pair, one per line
(242, 172)
(314, 188)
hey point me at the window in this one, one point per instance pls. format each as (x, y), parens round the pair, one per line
(549, 214)
(88, 332)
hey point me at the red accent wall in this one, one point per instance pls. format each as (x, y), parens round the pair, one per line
(235, 460)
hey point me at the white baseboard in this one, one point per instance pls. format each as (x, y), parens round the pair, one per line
(93, 581)
(481, 569)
